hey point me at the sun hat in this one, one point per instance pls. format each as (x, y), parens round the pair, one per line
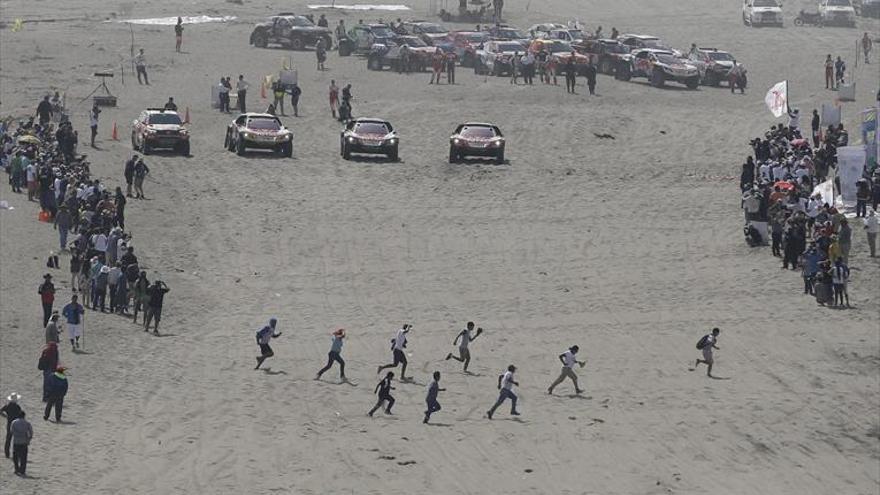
(13, 397)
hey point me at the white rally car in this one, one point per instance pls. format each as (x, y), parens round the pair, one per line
(762, 13)
(837, 13)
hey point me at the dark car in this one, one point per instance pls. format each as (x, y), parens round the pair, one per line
(290, 31)
(159, 128)
(429, 32)
(362, 37)
(370, 136)
(476, 139)
(258, 130)
(610, 53)
(382, 56)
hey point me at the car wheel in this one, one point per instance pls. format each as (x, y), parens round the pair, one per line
(499, 158)
(393, 155)
(798, 21)
(346, 152)
(453, 156)
(624, 72)
(261, 40)
(296, 43)
(287, 149)
(657, 79)
(184, 148)
(240, 147)
(693, 82)
(605, 67)
(145, 148)
(710, 79)
(134, 145)
(373, 63)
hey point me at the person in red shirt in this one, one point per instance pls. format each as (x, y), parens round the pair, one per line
(437, 66)
(47, 296)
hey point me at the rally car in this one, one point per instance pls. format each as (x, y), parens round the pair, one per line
(496, 57)
(506, 32)
(660, 66)
(476, 139)
(637, 41)
(714, 65)
(290, 31)
(159, 128)
(362, 37)
(762, 13)
(465, 45)
(382, 56)
(562, 51)
(371, 136)
(258, 130)
(429, 32)
(609, 54)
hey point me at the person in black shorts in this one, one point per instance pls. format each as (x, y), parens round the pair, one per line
(384, 389)
(264, 336)
(398, 344)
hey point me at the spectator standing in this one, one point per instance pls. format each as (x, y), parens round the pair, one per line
(140, 173)
(47, 363)
(73, 314)
(829, 72)
(52, 329)
(590, 73)
(178, 34)
(295, 93)
(44, 111)
(242, 86)
(93, 122)
(57, 391)
(47, 297)
(63, 223)
(12, 411)
(872, 227)
(867, 45)
(140, 65)
(156, 294)
(22, 433)
(839, 71)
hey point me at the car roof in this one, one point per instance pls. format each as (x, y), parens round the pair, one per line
(370, 120)
(713, 50)
(478, 124)
(640, 36)
(252, 115)
(160, 110)
(657, 51)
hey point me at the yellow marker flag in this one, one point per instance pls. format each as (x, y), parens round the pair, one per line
(17, 25)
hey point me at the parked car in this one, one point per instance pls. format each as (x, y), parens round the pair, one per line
(496, 57)
(420, 54)
(258, 130)
(289, 31)
(429, 32)
(608, 54)
(637, 41)
(159, 128)
(569, 35)
(837, 13)
(362, 37)
(465, 45)
(562, 51)
(476, 139)
(762, 13)
(540, 30)
(714, 65)
(659, 66)
(371, 136)
(505, 32)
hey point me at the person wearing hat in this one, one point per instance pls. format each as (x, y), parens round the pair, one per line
(264, 336)
(12, 411)
(505, 385)
(73, 313)
(52, 328)
(334, 355)
(57, 390)
(47, 296)
(101, 289)
(22, 433)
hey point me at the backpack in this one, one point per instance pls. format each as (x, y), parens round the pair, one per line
(703, 342)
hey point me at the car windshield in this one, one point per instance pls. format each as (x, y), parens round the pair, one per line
(668, 59)
(371, 128)
(264, 124)
(432, 28)
(476, 37)
(614, 48)
(559, 46)
(477, 132)
(576, 34)
(510, 33)
(653, 43)
(509, 47)
(720, 56)
(839, 3)
(164, 118)
(412, 41)
(382, 32)
(301, 21)
(766, 3)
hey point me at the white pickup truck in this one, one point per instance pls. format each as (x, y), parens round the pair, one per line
(762, 13)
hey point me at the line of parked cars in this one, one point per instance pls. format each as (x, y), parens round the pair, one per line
(829, 13)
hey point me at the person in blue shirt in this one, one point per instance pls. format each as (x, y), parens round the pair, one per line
(57, 391)
(335, 355)
(73, 313)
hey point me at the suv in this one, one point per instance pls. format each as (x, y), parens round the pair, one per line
(420, 54)
(610, 54)
(837, 12)
(660, 66)
(372, 136)
(495, 57)
(159, 128)
(762, 13)
(362, 37)
(714, 65)
(290, 31)
(429, 32)
(258, 130)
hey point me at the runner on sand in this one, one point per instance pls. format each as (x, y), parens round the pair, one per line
(335, 355)
(398, 344)
(264, 336)
(431, 399)
(706, 344)
(568, 361)
(464, 355)
(505, 384)
(384, 388)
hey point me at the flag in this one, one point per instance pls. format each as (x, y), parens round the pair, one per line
(17, 25)
(777, 99)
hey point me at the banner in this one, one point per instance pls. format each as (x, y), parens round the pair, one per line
(850, 164)
(777, 99)
(870, 137)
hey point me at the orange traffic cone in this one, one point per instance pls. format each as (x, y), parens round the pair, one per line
(186, 117)
(114, 135)
(263, 90)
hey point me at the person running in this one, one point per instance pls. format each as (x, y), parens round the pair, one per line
(73, 313)
(383, 388)
(431, 398)
(465, 336)
(398, 344)
(335, 355)
(46, 290)
(22, 433)
(56, 391)
(505, 385)
(568, 360)
(334, 97)
(178, 34)
(264, 336)
(12, 411)
(707, 344)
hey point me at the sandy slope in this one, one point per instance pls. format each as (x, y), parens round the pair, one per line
(631, 248)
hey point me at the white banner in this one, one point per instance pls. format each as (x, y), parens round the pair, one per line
(850, 164)
(826, 191)
(777, 99)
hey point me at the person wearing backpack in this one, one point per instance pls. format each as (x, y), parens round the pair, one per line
(264, 336)
(707, 344)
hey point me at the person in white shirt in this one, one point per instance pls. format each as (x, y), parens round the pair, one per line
(398, 344)
(99, 240)
(31, 172)
(568, 361)
(505, 384)
(140, 64)
(242, 86)
(707, 343)
(93, 122)
(794, 119)
(872, 227)
(839, 278)
(466, 337)
(764, 170)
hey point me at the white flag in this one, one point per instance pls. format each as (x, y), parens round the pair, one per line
(777, 99)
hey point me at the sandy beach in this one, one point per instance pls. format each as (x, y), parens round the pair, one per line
(631, 248)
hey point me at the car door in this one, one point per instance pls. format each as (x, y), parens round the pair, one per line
(283, 28)
(642, 63)
(238, 125)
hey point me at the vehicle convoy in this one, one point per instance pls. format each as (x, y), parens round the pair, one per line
(370, 136)
(159, 128)
(659, 66)
(714, 65)
(429, 32)
(261, 131)
(476, 139)
(762, 13)
(362, 37)
(382, 56)
(607, 54)
(295, 32)
(496, 57)
(837, 13)
(465, 45)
